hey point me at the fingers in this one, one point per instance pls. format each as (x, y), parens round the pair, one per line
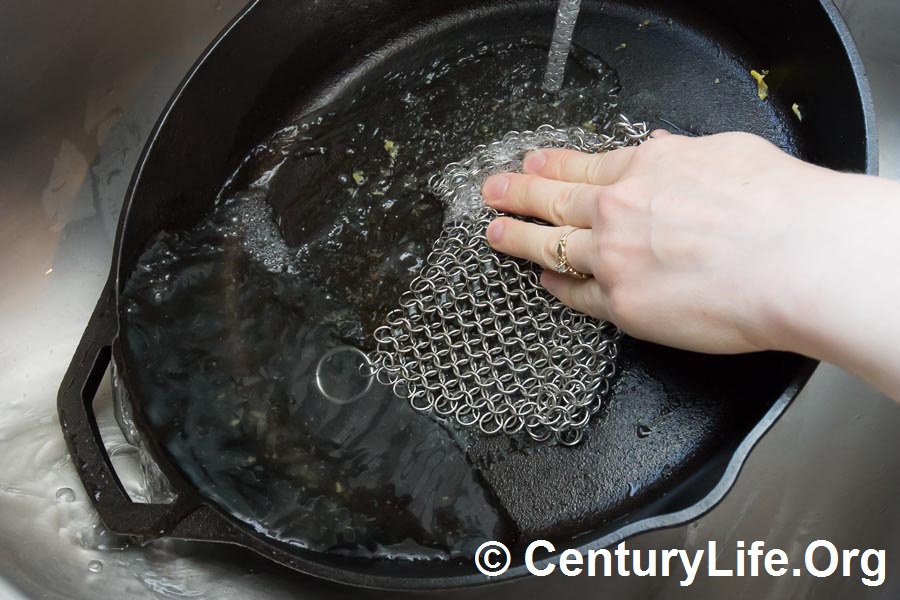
(538, 243)
(584, 295)
(556, 202)
(573, 166)
(604, 168)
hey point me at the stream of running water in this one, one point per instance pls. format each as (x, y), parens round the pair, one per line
(566, 15)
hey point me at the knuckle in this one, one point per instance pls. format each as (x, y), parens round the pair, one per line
(560, 206)
(620, 303)
(592, 298)
(630, 187)
(627, 193)
(567, 162)
(608, 214)
(606, 209)
(658, 148)
(548, 253)
(557, 164)
(610, 265)
(528, 190)
(617, 199)
(593, 169)
(648, 151)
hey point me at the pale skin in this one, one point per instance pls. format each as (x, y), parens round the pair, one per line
(722, 244)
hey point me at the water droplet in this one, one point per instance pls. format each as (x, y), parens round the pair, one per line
(65, 494)
(644, 431)
(95, 566)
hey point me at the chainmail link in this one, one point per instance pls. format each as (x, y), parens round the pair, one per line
(477, 340)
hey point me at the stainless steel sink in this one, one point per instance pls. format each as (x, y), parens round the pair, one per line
(84, 83)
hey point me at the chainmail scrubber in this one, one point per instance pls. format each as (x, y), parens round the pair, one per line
(477, 339)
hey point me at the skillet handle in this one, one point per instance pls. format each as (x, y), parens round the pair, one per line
(75, 404)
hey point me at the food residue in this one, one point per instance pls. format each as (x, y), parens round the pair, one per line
(796, 109)
(359, 177)
(762, 88)
(392, 149)
(621, 47)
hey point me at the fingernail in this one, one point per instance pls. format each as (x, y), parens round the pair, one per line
(495, 187)
(535, 161)
(495, 231)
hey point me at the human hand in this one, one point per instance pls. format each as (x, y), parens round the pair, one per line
(685, 239)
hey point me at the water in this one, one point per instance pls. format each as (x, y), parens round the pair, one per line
(459, 186)
(242, 326)
(566, 16)
(95, 566)
(155, 487)
(345, 184)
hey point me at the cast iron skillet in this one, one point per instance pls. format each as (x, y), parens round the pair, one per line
(281, 58)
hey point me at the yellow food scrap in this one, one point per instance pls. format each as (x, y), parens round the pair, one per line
(621, 47)
(717, 81)
(392, 149)
(359, 177)
(644, 24)
(590, 126)
(338, 487)
(762, 88)
(796, 109)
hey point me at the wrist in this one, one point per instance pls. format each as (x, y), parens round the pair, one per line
(827, 287)
(801, 288)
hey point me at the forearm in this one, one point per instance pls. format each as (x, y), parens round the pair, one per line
(840, 297)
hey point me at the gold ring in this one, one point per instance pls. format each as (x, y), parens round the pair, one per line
(562, 260)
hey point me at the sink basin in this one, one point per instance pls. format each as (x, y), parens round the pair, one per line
(87, 94)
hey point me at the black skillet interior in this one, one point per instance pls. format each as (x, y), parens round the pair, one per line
(675, 420)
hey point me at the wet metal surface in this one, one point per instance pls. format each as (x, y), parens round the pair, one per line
(89, 83)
